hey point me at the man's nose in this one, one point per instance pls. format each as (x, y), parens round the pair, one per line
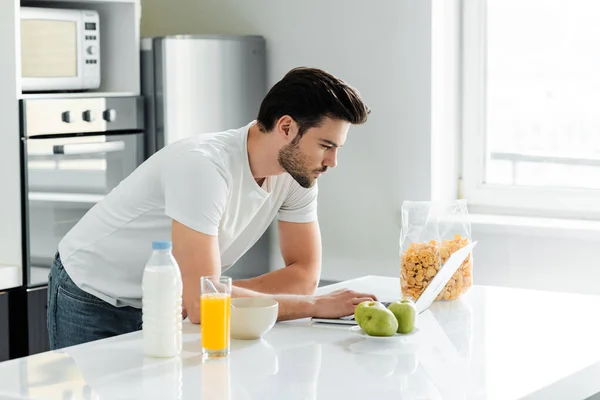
(331, 159)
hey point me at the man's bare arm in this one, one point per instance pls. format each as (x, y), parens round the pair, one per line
(198, 255)
(300, 245)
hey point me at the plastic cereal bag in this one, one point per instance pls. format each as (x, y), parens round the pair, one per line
(431, 232)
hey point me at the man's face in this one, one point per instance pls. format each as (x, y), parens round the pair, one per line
(305, 158)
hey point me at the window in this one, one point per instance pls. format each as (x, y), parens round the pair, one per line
(531, 105)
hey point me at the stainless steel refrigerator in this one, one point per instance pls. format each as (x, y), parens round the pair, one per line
(199, 84)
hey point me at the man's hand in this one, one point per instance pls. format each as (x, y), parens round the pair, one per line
(339, 303)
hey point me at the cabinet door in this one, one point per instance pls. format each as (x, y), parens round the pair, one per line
(4, 326)
(37, 306)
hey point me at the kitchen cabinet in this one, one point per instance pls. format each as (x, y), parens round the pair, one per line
(37, 306)
(4, 349)
(26, 316)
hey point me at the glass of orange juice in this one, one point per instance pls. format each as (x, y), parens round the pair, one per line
(215, 311)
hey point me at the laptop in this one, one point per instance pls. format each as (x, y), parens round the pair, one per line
(429, 294)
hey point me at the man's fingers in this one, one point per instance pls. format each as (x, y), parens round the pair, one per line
(366, 295)
(358, 300)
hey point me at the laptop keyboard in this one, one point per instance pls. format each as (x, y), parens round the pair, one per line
(351, 317)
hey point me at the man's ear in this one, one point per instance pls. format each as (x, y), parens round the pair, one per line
(284, 126)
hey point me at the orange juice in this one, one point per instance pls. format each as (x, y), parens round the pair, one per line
(215, 312)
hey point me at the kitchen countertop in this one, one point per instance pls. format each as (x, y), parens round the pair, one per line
(493, 343)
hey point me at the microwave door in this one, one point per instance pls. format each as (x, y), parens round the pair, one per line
(60, 49)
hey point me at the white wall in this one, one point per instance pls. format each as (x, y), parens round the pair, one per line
(385, 49)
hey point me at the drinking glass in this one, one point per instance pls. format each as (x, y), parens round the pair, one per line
(215, 311)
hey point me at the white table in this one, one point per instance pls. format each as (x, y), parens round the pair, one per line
(494, 343)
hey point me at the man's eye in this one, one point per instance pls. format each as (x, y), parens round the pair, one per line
(326, 147)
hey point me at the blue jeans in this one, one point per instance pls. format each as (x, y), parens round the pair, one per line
(76, 317)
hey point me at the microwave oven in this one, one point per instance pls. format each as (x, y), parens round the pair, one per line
(60, 49)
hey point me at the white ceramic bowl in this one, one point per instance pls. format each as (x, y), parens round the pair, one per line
(252, 317)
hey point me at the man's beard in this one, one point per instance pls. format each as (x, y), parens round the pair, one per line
(293, 162)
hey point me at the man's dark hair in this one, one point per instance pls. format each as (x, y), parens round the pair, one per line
(308, 95)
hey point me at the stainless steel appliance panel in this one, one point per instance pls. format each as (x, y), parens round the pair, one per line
(201, 83)
(75, 152)
(81, 115)
(63, 187)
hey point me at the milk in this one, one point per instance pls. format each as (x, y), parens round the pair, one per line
(161, 303)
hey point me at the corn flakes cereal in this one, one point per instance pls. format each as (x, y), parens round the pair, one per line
(421, 262)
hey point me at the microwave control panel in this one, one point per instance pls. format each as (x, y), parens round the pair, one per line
(91, 47)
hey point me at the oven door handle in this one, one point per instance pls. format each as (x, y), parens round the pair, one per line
(89, 148)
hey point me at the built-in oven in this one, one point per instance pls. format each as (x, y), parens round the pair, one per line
(75, 152)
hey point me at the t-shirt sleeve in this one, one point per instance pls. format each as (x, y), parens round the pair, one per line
(300, 204)
(195, 192)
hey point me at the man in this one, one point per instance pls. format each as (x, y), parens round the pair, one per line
(213, 195)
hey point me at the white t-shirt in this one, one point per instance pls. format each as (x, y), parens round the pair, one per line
(203, 182)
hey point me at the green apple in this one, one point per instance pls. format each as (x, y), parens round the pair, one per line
(405, 313)
(378, 321)
(360, 309)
